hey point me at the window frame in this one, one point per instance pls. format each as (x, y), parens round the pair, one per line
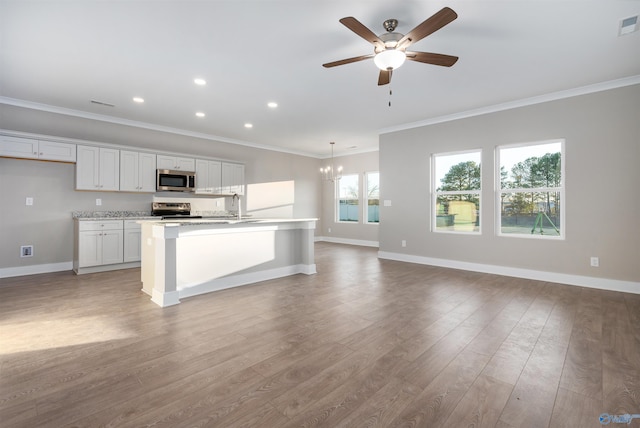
(337, 200)
(561, 190)
(434, 193)
(365, 196)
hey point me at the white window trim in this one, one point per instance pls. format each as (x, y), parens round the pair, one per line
(434, 194)
(365, 197)
(336, 201)
(561, 190)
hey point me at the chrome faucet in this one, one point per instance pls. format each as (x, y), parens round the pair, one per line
(233, 199)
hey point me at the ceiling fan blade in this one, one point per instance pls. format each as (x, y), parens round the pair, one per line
(384, 77)
(432, 58)
(347, 61)
(357, 27)
(428, 26)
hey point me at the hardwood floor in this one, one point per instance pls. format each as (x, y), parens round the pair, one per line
(363, 343)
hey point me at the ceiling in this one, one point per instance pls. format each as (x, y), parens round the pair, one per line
(60, 55)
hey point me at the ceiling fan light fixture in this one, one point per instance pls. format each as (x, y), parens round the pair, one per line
(389, 59)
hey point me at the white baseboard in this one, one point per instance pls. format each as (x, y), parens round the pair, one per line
(35, 269)
(562, 278)
(347, 241)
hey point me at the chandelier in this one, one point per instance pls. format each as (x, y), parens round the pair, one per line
(330, 173)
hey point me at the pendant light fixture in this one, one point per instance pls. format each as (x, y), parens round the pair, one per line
(330, 173)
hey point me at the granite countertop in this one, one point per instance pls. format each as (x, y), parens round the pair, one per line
(145, 215)
(111, 215)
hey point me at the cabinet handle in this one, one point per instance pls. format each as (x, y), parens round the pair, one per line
(40, 153)
(35, 153)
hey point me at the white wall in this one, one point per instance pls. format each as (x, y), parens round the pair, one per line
(355, 233)
(602, 133)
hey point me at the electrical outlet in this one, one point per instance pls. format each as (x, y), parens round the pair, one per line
(595, 262)
(29, 201)
(98, 201)
(26, 251)
(404, 243)
(329, 230)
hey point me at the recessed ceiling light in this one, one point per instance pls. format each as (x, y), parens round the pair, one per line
(272, 104)
(248, 125)
(200, 82)
(200, 114)
(138, 99)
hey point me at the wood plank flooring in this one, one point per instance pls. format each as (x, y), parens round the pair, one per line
(363, 343)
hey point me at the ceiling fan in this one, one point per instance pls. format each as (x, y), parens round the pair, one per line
(389, 50)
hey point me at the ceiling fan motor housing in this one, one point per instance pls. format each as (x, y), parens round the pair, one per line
(390, 41)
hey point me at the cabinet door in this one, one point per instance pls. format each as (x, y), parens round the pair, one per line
(180, 164)
(90, 248)
(132, 246)
(129, 171)
(87, 168)
(62, 152)
(147, 172)
(227, 178)
(166, 162)
(17, 147)
(238, 178)
(203, 179)
(112, 246)
(232, 178)
(215, 176)
(109, 169)
(185, 164)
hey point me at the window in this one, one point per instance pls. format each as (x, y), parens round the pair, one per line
(456, 192)
(348, 198)
(531, 190)
(372, 206)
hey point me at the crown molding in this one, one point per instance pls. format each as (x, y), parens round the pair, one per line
(144, 125)
(568, 93)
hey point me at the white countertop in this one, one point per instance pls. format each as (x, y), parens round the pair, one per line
(219, 221)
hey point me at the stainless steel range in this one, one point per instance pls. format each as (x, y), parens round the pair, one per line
(169, 210)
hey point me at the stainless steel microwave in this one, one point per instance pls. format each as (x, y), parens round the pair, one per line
(175, 181)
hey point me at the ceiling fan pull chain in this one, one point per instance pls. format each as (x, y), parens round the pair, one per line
(390, 93)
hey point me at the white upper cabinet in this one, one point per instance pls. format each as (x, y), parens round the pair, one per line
(137, 171)
(28, 148)
(176, 163)
(232, 178)
(208, 176)
(97, 168)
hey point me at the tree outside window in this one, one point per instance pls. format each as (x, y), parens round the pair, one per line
(456, 190)
(531, 190)
(348, 198)
(372, 210)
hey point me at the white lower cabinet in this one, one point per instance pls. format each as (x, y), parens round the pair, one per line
(132, 245)
(100, 243)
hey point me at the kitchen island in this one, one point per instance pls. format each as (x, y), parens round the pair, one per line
(184, 258)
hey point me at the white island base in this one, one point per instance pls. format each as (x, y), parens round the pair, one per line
(190, 257)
